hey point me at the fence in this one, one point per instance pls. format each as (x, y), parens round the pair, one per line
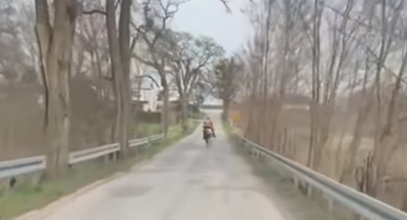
(13, 168)
(363, 205)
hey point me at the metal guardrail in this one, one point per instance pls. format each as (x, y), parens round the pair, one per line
(13, 168)
(139, 142)
(21, 166)
(361, 204)
(92, 153)
(156, 137)
(145, 141)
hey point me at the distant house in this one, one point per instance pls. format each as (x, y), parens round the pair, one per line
(145, 94)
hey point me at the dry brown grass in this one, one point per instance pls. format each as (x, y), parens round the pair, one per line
(296, 122)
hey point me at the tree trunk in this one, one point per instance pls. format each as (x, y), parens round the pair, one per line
(55, 46)
(386, 138)
(97, 67)
(404, 202)
(355, 143)
(314, 146)
(117, 69)
(313, 135)
(165, 111)
(226, 105)
(184, 113)
(124, 42)
(165, 108)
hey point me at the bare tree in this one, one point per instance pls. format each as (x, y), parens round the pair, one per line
(120, 60)
(386, 131)
(19, 54)
(227, 81)
(152, 36)
(92, 47)
(55, 44)
(189, 59)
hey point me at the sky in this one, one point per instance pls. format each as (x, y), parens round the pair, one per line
(210, 18)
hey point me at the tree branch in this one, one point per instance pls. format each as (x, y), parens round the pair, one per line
(117, 4)
(150, 77)
(375, 56)
(359, 22)
(94, 11)
(146, 62)
(100, 11)
(228, 9)
(133, 43)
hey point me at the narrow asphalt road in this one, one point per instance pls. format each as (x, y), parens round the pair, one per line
(184, 182)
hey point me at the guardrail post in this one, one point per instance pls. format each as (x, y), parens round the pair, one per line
(309, 190)
(106, 158)
(330, 205)
(149, 141)
(296, 184)
(115, 156)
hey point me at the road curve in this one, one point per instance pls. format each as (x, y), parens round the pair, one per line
(184, 182)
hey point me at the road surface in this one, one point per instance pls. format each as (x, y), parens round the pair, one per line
(184, 182)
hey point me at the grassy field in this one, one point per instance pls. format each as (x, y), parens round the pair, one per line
(26, 197)
(294, 203)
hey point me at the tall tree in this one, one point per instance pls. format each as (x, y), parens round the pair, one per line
(55, 40)
(153, 35)
(190, 58)
(91, 38)
(227, 81)
(120, 61)
(124, 42)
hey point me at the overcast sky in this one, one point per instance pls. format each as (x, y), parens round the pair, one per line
(210, 18)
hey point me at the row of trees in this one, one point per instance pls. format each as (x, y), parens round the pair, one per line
(345, 61)
(101, 41)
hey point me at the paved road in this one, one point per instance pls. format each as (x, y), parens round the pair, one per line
(185, 182)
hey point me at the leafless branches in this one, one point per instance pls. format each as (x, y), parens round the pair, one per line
(94, 11)
(153, 36)
(329, 54)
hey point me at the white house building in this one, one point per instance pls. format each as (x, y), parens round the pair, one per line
(147, 92)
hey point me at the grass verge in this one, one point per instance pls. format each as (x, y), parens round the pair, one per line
(294, 203)
(147, 129)
(26, 197)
